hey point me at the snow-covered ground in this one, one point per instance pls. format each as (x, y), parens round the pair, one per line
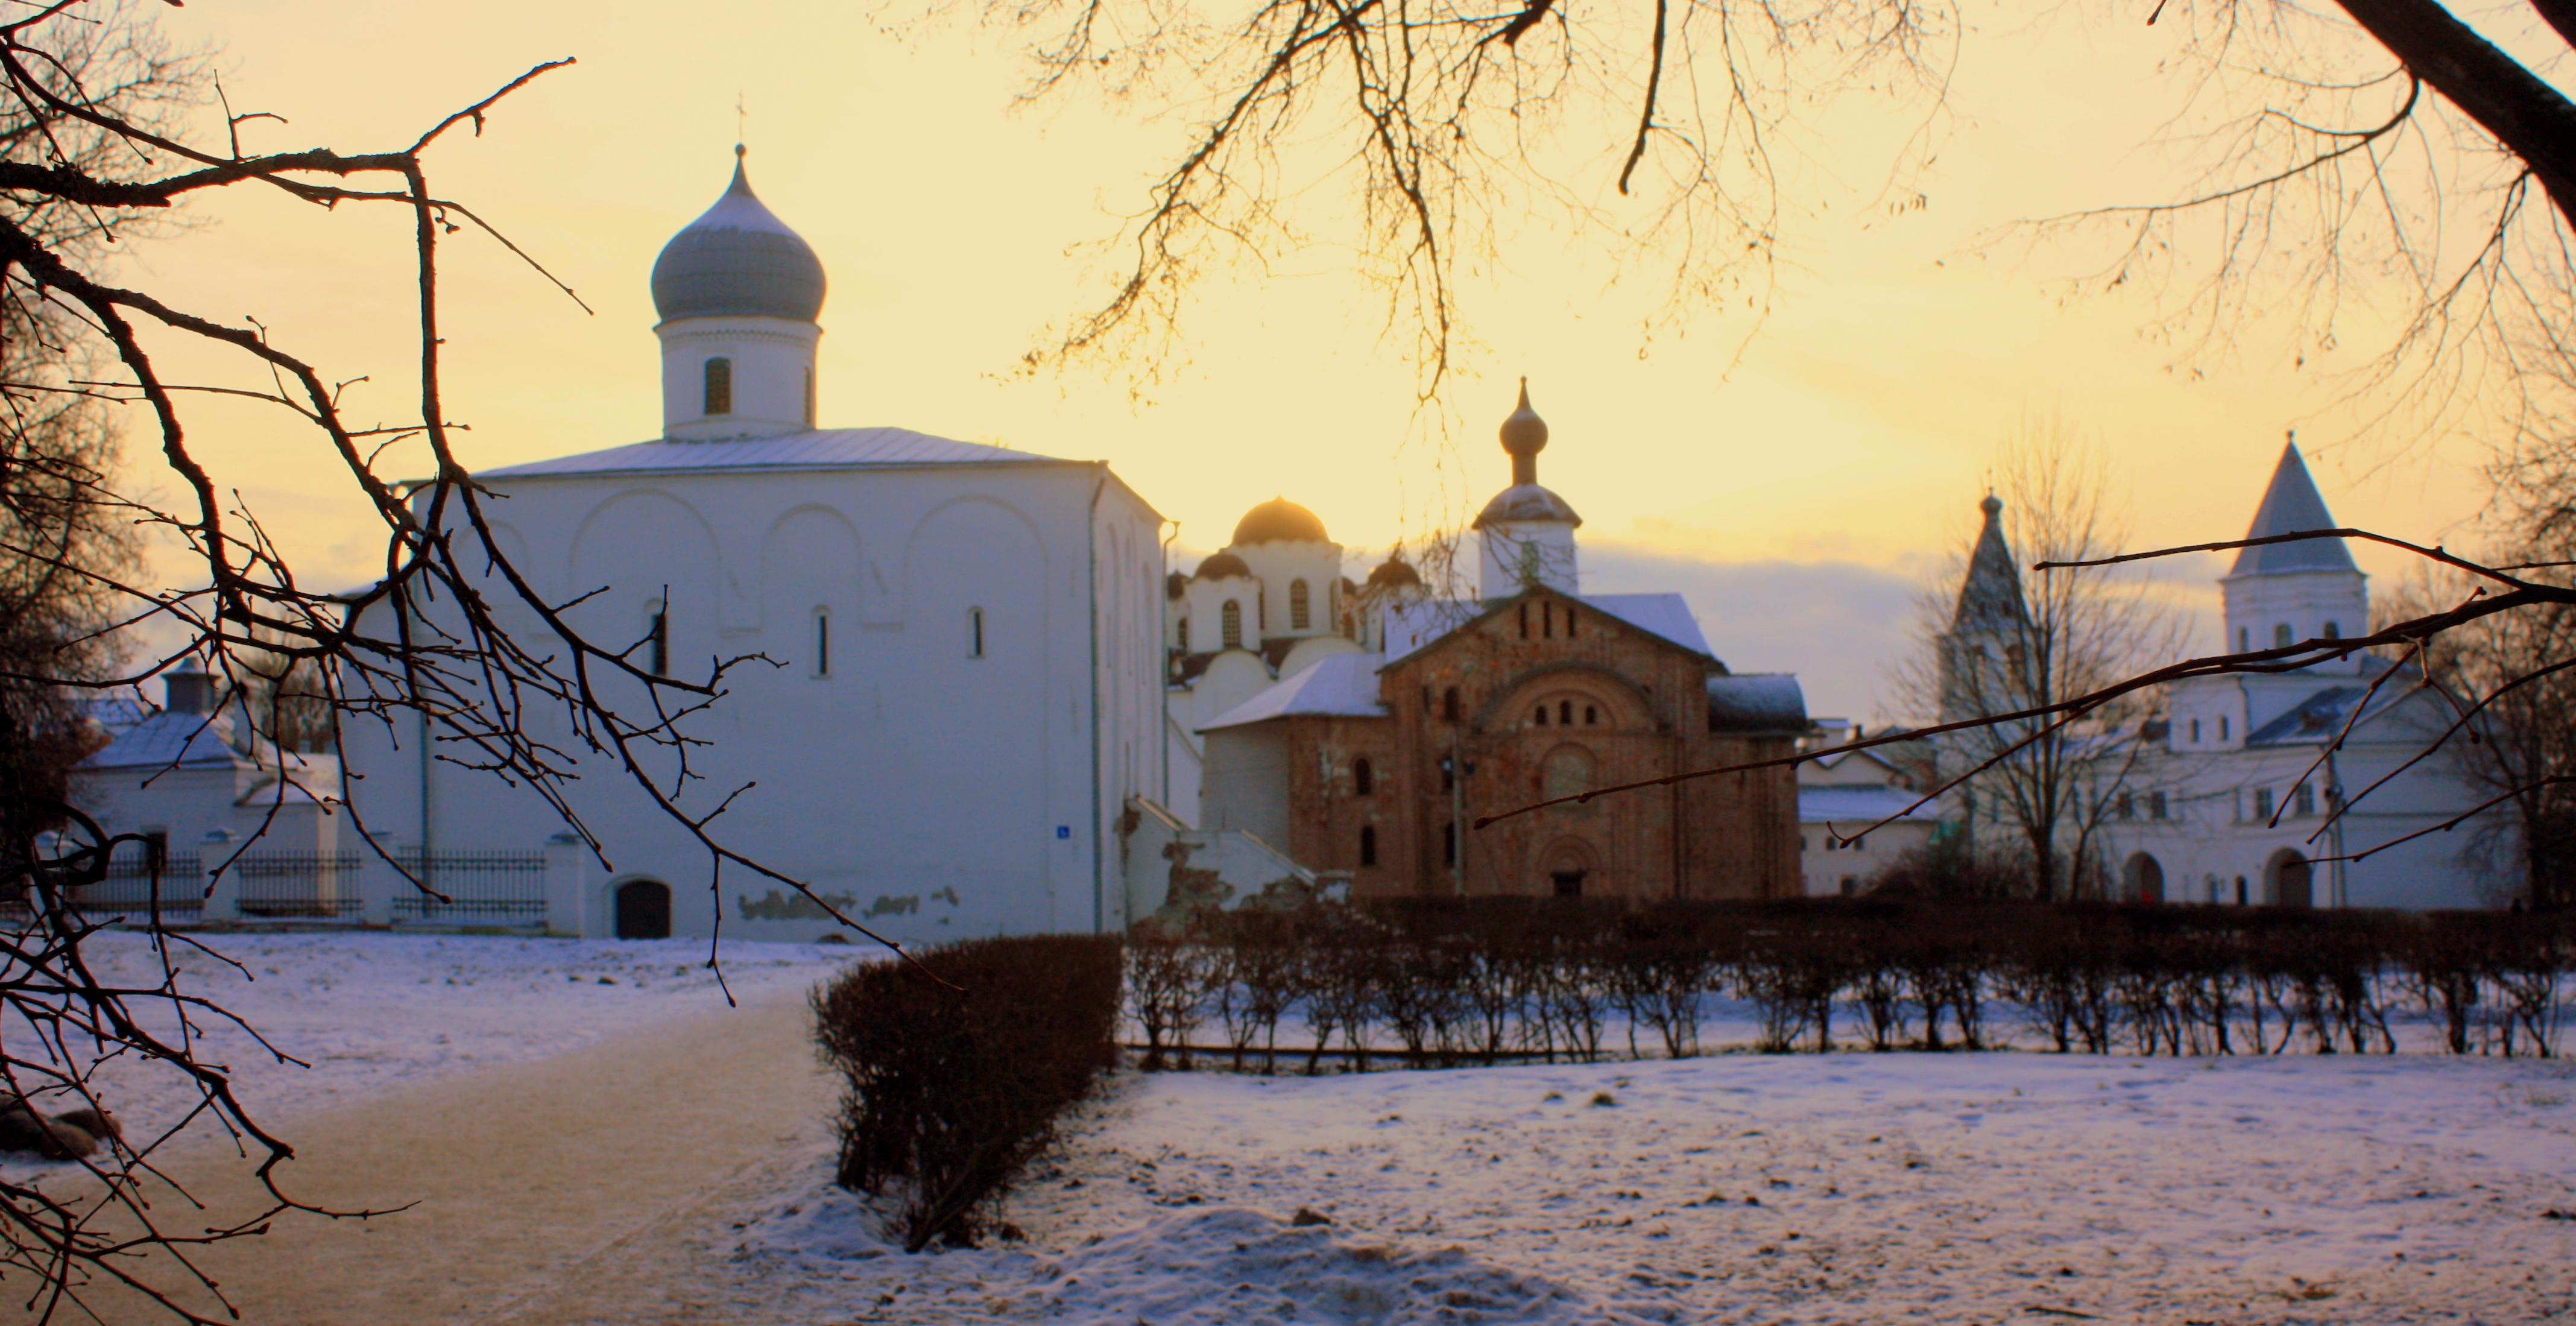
(1825, 1188)
(366, 1012)
(2009, 1186)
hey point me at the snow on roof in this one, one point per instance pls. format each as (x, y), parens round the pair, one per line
(1850, 807)
(829, 448)
(1411, 626)
(2325, 713)
(189, 741)
(1343, 685)
(1756, 702)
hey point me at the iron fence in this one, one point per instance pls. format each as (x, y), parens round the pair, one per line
(490, 888)
(298, 885)
(130, 887)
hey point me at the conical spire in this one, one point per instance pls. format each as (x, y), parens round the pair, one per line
(1990, 596)
(2291, 505)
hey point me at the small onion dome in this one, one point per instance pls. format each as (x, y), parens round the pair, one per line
(1993, 506)
(738, 260)
(1527, 503)
(1221, 566)
(1173, 584)
(1524, 433)
(1394, 573)
(1278, 521)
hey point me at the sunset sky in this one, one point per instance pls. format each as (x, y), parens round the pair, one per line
(1800, 485)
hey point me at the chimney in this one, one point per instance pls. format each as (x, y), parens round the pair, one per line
(188, 690)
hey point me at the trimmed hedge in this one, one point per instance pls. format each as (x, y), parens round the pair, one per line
(1482, 980)
(955, 1069)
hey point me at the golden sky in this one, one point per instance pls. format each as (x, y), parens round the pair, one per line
(1845, 444)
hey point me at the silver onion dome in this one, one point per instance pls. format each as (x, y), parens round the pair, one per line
(738, 260)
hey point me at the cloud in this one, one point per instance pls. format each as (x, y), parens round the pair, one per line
(1841, 626)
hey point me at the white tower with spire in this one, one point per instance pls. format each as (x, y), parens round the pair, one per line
(1526, 532)
(738, 293)
(2282, 593)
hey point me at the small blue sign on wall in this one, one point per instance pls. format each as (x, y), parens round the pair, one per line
(1064, 831)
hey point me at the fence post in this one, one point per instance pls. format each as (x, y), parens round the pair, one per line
(223, 901)
(566, 869)
(378, 882)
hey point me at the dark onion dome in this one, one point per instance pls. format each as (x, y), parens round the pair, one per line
(1221, 566)
(1526, 503)
(739, 260)
(1523, 432)
(1278, 521)
(1394, 573)
(1174, 584)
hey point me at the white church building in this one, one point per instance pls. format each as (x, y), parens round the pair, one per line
(2229, 803)
(971, 641)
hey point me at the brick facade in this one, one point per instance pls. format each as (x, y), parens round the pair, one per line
(1542, 696)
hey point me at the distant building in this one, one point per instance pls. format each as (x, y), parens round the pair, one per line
(1858, 812)
(1371, 762)
(2229, 801)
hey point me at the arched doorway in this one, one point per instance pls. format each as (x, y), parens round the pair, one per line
(1567, 867)
(2290, 878)
(2144, 879)
(643, 909)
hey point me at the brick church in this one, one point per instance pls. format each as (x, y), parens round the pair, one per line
(1372, 760)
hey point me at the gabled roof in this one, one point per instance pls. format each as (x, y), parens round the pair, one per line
(1338, 686)
(1849, 808)
(822, 449)
(168, 739)
(1411, 627)
(2291, 505)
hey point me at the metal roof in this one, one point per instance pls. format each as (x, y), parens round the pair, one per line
(738, 260)
(167, 739)
(1756, 702)
(823, 449)
(1338, 686)
(1851, 807)
(2291, 505)
(1411, 626)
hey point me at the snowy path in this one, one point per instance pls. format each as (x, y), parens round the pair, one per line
(527, 1176)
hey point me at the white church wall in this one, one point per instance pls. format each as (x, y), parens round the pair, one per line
(1276, 567)
(770, 365)
(928, 790)
(1246, 781)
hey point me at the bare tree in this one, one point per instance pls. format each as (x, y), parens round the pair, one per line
(102, 130)
(1998, 639)
(2521, 669)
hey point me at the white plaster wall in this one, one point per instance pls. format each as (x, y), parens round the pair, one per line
(1246, 785)
(773, 359)
(2304, 601)
(1275, 566)
(1512, 553)
(1205, 604)
(932, 793)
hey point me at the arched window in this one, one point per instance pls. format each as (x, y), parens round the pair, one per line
(1363, 777)
(657, 632)
(1230, 624)
(1569, 623)
(1539, 716)
(1448, 844)
(2244, 640)
(974, 633)
(1449, 705)
(2222, 727)
(1565, 713)
(809, 396)
(2303, 801)
(1591, 716)
(1525, 621)
(2195, 729)
(1547, 620)
(1368, 845)
(822, 642)
(1297, 612)
(2262, 803)
(719, 393)
(2281, 635)
(1185, 635)
(2333, 631)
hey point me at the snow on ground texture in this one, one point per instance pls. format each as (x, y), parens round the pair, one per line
(371, 1011)
(1817, 1188)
